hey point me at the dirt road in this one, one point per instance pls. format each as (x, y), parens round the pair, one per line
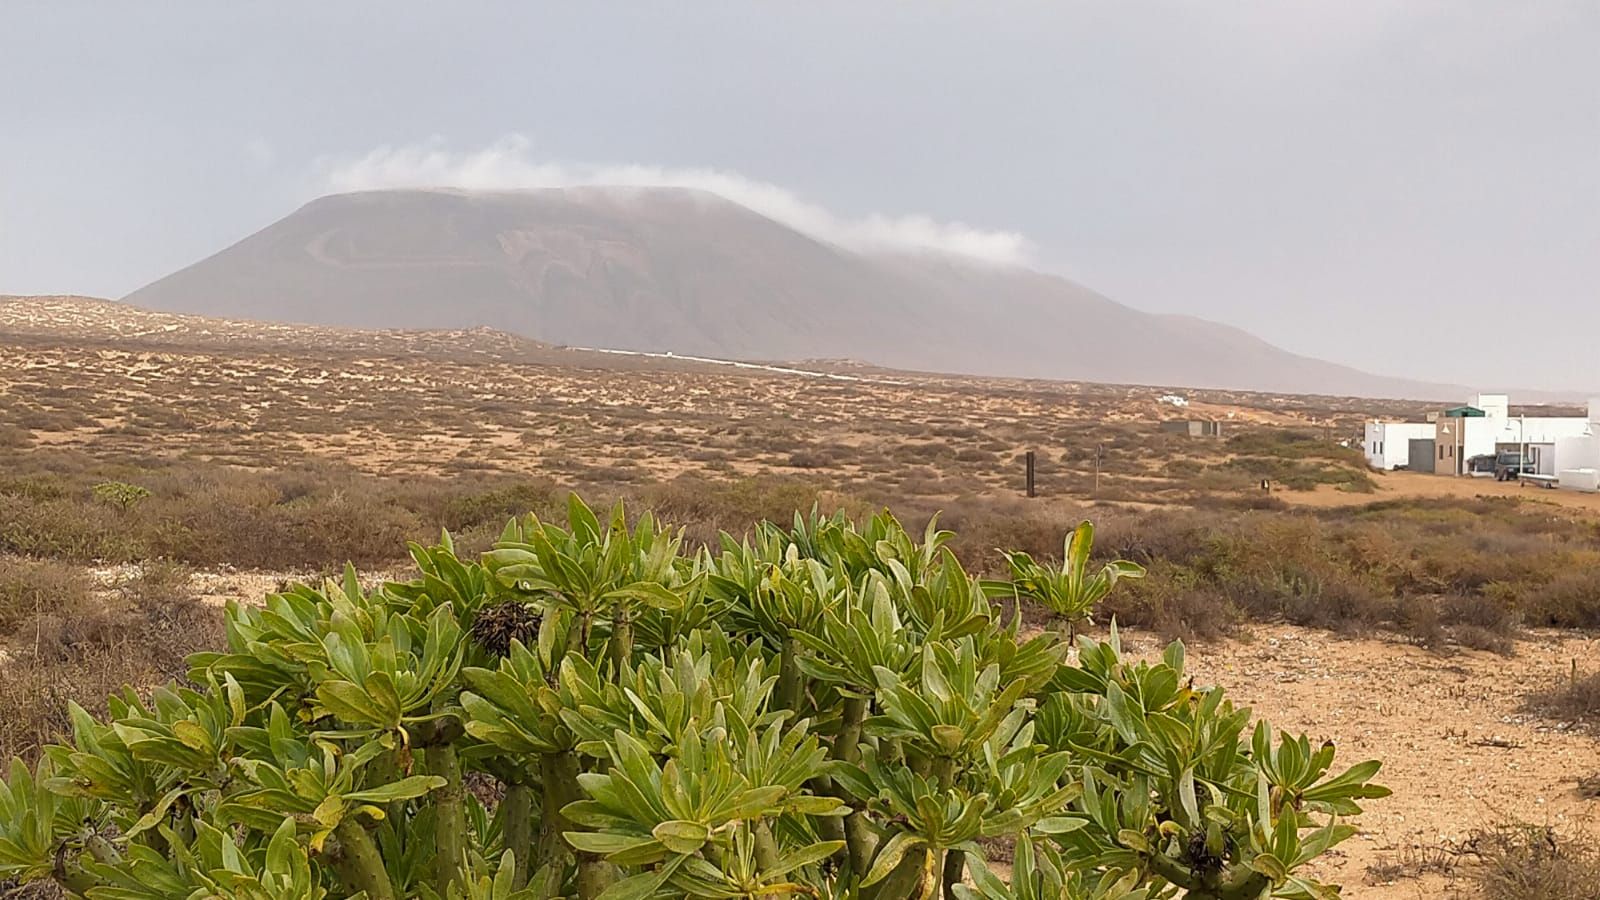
(1409, 485)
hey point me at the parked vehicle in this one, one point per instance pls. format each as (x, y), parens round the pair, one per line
(1509, 465)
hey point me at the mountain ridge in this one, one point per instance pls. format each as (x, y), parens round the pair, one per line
(677, 270)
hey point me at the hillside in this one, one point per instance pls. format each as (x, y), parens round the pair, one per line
(90, 321)
(691, 273)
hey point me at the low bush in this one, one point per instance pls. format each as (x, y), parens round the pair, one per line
(1575, 697)
(1519, 861)
(32, 588)
(80, 645)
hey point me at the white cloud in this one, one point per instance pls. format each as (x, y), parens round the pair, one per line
(507, 164)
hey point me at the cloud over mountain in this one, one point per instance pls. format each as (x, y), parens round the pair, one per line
(509, 164)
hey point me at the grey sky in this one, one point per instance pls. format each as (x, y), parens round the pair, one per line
(1381, 184)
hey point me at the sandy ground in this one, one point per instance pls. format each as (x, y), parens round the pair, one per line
(1459, 752)
(1407, 485)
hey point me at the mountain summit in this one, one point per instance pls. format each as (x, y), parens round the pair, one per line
(688, 272)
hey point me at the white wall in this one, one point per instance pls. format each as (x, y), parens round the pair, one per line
(1487, 435)
(1578, 452)
(1388, 444)
(1494, 406)
(1543, 431)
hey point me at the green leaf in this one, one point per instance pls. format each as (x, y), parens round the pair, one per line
(1059, 824)
(681, 836)
(805, 856)
(1270, 866)
(890, 855)
(404, 789)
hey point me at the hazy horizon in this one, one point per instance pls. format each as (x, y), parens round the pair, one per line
(1377, 185)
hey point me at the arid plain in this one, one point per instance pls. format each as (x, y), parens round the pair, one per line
(1445, 626)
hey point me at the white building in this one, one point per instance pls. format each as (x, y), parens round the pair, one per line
(1578, 456)
(1388, 444)
(1482, 428)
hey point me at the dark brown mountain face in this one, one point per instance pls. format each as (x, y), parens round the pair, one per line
(664, 269)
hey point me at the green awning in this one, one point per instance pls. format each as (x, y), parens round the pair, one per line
(1464, 412)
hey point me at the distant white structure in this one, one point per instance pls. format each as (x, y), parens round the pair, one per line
(1483, 428)
(1388, 444)
(1173, 400)
(1579, 456)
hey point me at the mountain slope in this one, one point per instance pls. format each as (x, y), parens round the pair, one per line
(691, 273)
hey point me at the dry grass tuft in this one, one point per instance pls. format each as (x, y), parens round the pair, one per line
(1578, 698)
(1518, 861)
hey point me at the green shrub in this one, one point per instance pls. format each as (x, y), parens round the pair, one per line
(120, 494)
(830, 710)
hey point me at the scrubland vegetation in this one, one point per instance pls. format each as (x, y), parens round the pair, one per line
(126, 473)
(1440, 573)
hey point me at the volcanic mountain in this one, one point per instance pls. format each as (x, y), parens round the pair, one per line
(688, 272)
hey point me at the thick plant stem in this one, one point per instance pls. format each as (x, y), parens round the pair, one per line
(516, 820)
(903, 882)
(621, 636)
(786, 694)
(391, 767)
(829, 828)
(955, 866)
(558, 773)
(595, 875)
(859, 842)
(578, 634)
(360, 864)
(450, 818)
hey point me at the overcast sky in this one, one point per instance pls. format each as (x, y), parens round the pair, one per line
(1390, 185)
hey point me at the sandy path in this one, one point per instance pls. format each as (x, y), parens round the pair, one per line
(1410, 485)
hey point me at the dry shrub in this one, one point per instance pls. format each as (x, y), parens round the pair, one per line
(1172, 606)
(496, 506)
(48, 608)
(985, 525)
(1569, 600)
(1411, 862)
(1480, 623)
(1576, 697)
(138, 634)
(705, 508)
(66, 528)
(13, 436)
(1518, 861)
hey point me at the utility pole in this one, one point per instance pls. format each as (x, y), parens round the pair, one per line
(1029, 458)
(1099, 457)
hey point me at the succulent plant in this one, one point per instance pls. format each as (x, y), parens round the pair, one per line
(835, 710)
